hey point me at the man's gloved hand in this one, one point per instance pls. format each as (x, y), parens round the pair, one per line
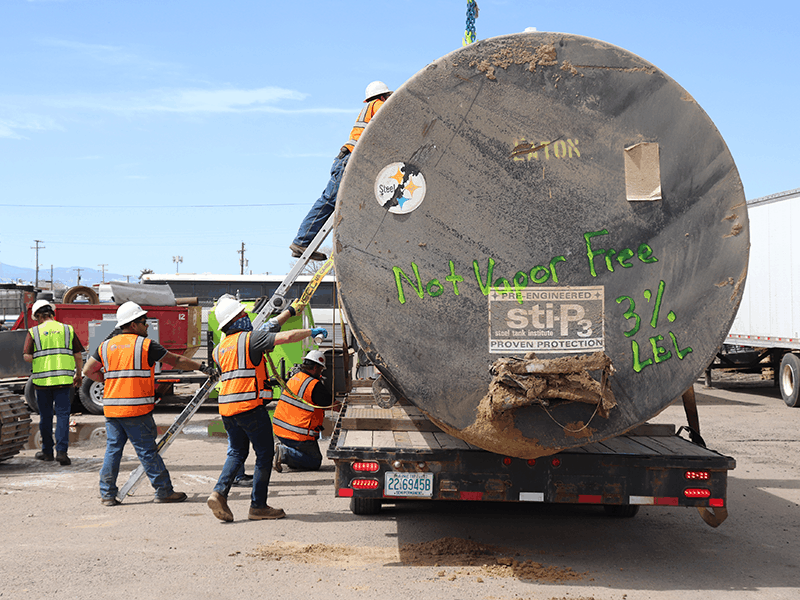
(298, 306)
(208, 369)
(319, 331)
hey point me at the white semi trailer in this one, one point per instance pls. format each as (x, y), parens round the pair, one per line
(766, 331)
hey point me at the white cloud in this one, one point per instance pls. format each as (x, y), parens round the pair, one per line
(104, 53)
(12, 128)
(193, 101)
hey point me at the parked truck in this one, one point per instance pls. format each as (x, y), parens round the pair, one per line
(541, 242)
(765, 336)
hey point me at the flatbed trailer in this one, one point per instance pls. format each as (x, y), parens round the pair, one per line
(389, 455)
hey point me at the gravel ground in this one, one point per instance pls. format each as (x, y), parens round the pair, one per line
(60, 542)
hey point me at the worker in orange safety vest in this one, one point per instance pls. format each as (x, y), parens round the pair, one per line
(243, 413)
(125, 363)
(297, 421)
(376, 94)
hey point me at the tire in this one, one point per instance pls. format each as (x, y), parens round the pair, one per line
(74, 293)
(365, 506)
(30, 396)
(621, 511)
(789, 379)
(92, 396)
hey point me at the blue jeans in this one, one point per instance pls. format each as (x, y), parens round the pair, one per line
(303, 456)
(48, 398)
(251, 427)
(141, 431)
(323, 207)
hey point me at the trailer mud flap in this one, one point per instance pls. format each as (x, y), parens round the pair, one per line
(714, 516)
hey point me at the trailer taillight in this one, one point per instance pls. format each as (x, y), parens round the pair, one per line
(531, 462)
(366, 466)
(506, 461)
(697, 475)
(364, 484)
(556, 462)
(697, 493)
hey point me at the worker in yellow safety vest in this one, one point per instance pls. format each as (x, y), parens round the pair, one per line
(54, 352)
(297, 421)
(125, 363)
(376, 94)
(243, 413)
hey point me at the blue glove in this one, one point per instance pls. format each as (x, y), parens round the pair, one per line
(319, 331)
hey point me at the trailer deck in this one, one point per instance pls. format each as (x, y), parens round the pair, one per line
(386, 455)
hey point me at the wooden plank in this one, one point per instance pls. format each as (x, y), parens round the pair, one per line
(654, 444)
(401, 439)
(360, 424)
(383, 439)
(422, 440)
(681, 446)
(625, 445)
(359, 439)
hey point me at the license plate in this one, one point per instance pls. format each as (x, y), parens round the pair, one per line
(408, 484)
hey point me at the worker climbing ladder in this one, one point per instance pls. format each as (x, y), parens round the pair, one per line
(276, 304)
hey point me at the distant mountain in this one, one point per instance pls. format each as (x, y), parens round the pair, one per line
(67, 276)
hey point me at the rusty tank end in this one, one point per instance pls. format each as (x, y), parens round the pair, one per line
(541, 241)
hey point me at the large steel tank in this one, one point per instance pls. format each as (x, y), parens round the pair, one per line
(541, 241)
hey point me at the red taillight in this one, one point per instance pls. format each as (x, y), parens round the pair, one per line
(716, 502)
(697, 493)
(366, 467)
(697, 475)
(531, 462)
(506, 461)
(364, 484)
(556, 462)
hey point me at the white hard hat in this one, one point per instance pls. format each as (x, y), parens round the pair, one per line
(316, 356)
(128, 312)
(40, 304)
(376, 88)
(227, 309)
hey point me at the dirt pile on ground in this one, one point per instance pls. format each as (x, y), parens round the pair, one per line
(486, 560)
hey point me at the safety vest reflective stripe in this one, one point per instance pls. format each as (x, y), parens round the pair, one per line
(129, 389)
(364, 117)
(237, 374)
(239, 386)
(53, 358)
(290, 427)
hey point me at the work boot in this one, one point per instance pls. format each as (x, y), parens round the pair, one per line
(63, 459)
(257, 514)
(110, 502)
(173, 497)
(219, 506)
(42, 455)
(297, 252)
(276, 462)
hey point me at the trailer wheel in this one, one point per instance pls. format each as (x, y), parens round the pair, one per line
(621, 511)
(92, 396)
(30, 396)
(365, 506)
(789, 379)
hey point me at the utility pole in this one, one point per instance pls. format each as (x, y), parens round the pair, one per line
(103, 272)
(242, 261)
(79, 275)
(177, 260)
(37, 247)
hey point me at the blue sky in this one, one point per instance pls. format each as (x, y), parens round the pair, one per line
(135, 131)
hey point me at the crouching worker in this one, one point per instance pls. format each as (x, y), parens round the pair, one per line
(240, 357)
(126, 364)
(297, 421)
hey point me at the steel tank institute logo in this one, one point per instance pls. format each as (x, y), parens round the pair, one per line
(400, 188)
